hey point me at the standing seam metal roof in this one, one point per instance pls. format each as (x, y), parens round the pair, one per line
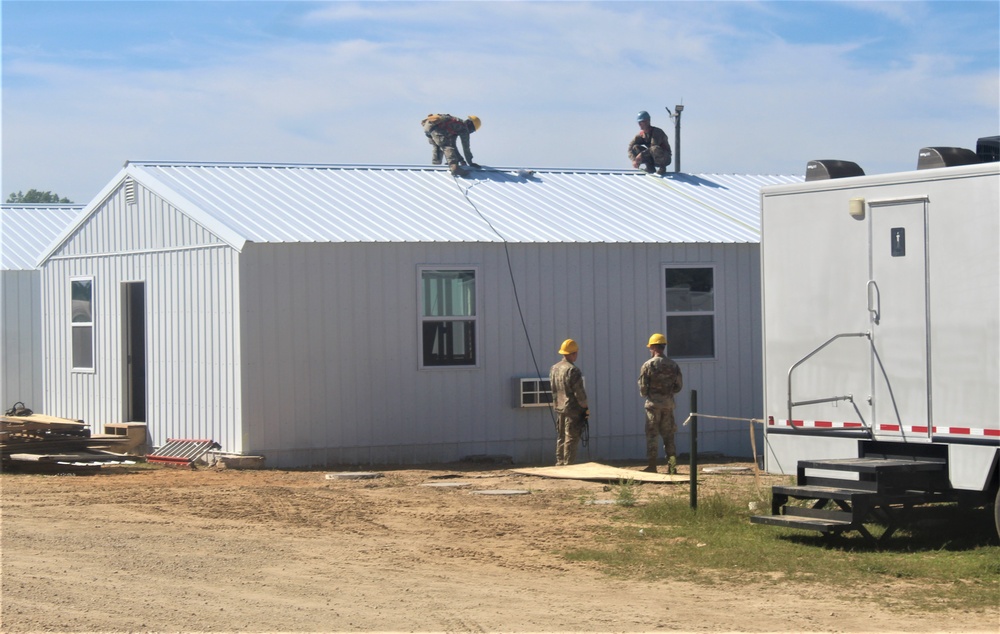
(354, 203)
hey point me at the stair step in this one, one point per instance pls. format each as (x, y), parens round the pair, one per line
(812, 492)
(834, 514)
(875, 465)
(823, 525)
(867, 486)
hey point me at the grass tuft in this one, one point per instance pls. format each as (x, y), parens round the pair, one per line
(625, 493)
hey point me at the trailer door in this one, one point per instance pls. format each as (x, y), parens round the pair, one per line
(900, 319)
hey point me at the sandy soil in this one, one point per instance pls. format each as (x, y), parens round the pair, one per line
(217, 550)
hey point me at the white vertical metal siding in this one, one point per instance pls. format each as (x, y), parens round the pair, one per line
(21, 343)
(330, 350)
(150, 224)
(192, 355)
(25, 232)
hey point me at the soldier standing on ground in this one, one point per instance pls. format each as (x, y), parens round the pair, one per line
(442, 131)
(569, 399)
(659, 379)
(650, 147)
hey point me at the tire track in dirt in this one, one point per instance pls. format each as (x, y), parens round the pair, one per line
(213, 550)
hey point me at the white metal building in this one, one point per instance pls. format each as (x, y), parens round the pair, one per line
(26, 231)
(321, 315)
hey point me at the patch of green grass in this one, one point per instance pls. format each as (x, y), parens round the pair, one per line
(945, 551)
(625, 493)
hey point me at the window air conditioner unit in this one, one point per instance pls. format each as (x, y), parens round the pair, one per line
(534, 391)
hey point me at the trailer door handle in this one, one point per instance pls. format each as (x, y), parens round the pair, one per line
(874, 301)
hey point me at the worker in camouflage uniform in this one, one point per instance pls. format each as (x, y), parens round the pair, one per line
(569, 399)
(443, 130)
(659, 379)
(650, 147)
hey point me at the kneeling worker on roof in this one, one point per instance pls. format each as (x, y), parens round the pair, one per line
(650, 147)
(442, 131)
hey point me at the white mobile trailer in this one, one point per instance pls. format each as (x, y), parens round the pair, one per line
(881, 329)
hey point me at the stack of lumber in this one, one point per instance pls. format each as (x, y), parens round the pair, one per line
(37, 438)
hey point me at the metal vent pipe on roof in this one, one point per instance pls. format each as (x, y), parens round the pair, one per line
(676, 116)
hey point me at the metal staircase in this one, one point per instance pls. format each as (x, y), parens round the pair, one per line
(846, 494)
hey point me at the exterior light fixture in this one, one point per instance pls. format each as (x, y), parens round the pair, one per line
(856, 207)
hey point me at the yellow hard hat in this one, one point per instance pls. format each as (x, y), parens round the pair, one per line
(568, 347)
(475, 121)
(656, 340)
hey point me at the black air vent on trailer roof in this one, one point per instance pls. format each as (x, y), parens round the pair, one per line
(988, 149)
(827, 169)
(931, 157)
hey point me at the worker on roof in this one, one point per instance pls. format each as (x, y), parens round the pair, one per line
(569, 400)
(659, 379)
(650, 147)
(442, 131)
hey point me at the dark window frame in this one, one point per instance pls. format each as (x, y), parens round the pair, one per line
(448, 329)
(690, 311)
(81, 318)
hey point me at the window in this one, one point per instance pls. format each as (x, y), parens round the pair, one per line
(448, 317)
(535, 392)
(82, 323)
(690, 302)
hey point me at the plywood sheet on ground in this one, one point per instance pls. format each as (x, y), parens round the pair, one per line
(600, 473)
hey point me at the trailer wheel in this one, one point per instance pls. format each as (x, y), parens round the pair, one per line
(996, 511)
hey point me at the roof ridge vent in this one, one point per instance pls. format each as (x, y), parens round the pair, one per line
(827, 169)
(932, 157)
(129, 190)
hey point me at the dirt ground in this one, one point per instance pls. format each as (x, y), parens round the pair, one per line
(223, 550)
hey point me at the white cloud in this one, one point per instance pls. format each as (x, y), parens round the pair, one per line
(556, 84)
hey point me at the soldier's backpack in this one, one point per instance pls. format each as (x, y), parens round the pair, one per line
(431, 119)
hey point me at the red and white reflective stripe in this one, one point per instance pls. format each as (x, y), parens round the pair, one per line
(993, 432)
(814, 424)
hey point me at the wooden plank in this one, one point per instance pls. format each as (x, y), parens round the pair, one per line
(40, 418)
(11, 423)
(68, 457)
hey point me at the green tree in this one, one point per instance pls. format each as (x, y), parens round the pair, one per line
(34, 197)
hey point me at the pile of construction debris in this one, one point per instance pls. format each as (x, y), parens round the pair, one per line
(42, 442)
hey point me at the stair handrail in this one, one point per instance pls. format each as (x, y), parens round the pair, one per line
(848, 397)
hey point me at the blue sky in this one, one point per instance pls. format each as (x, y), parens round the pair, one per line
(767, 86)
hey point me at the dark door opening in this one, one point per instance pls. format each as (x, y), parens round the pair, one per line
(135, 351)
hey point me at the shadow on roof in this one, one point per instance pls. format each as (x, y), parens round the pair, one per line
(487, 173)
(692, 179)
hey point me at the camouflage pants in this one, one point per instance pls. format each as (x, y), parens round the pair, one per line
(654, 157)
(567, 437)
(660, 423)
(444, 144)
